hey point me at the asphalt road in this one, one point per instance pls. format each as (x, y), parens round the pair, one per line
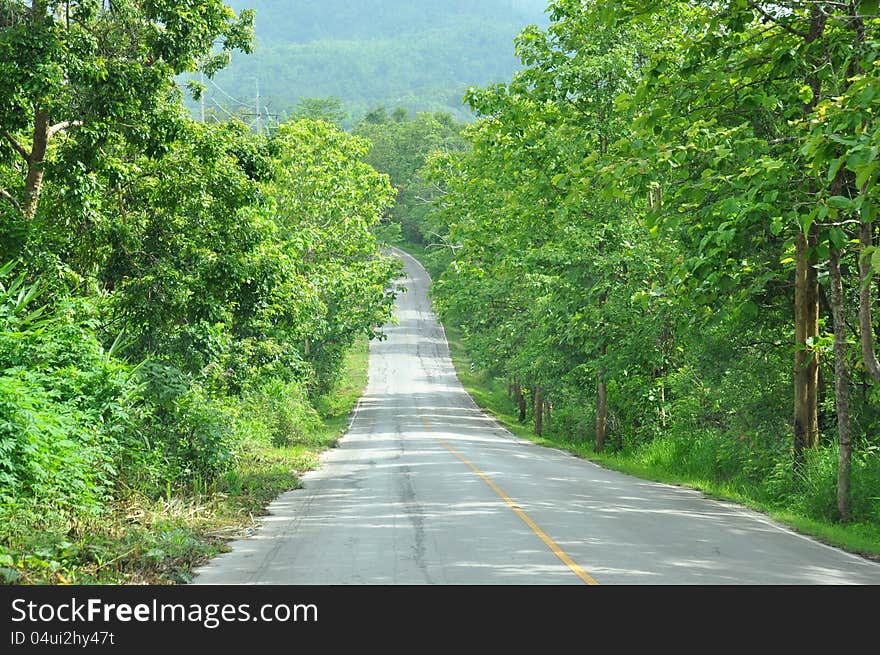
(426, 489)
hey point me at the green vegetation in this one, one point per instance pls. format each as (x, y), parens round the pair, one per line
(143, 539)
(656, 244)
(400, 146)
(660, 461)
(658, 248)
(419, 55)
(177, 299)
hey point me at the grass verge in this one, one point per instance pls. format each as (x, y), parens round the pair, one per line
(490, 394)
(145, 540)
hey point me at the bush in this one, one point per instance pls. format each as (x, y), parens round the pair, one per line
(279, 413)
(65, 402)
(865, 485)
(185, 434)
(48, 450)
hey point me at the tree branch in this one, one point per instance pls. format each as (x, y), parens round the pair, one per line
(18, 147)
(776, 21)
(4, 193)
(58, 127)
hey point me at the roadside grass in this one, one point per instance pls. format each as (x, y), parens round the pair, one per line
(142, 540)
(490, 393)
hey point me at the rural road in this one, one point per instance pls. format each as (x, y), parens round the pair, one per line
(425, 489)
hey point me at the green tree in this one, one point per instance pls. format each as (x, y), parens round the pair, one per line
(400, 147)
(731, 148)
(327, 201)
(98, 73)
(327, 109)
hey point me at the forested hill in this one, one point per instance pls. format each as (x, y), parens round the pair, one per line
(421, 54)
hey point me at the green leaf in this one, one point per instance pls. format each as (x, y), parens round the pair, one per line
(840, 202)
(835, 166)
(560, 180)
(875, 260)
(838, 238)
(864, 174)
(806, 221)
(869, 7)
(805, 94)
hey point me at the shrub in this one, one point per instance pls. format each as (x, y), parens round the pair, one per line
(186, 433)
(279, 413)
(65, 401)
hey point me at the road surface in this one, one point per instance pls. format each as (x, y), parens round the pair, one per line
(426, 489)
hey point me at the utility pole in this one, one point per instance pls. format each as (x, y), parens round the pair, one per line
(259, 112)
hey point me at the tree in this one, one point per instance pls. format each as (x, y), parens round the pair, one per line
(725, 111)
(840, 148)
(400, 147)
(326, 109)
(326, 202)
(100, 74)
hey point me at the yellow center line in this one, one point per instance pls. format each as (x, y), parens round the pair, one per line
(552, 545)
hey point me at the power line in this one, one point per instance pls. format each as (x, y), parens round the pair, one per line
(256, 111)
(224, 110)
(235, 100)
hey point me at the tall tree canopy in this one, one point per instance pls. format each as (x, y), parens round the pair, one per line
(100, 73)
(671, 208)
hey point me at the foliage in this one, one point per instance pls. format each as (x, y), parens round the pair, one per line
(182, 294)
(66, 401)
(630, 213)
(400, 147)
(326, 109)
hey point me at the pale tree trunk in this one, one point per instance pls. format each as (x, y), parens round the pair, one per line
(601, 387)
(806, 362)
(866, 322)
(601, 406)
(841, 387)
(601, 412)
(663, 405)
(521, 402)
(33, 183)
(539, 411)
(37, 157)
(35, 160)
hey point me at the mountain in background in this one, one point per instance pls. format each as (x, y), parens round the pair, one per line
(418, 54)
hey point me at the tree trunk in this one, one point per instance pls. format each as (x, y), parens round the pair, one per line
(539, 411)
(663, 405)
(601, 412)
(806, 295)
(601, 406)
(841, 387)
(866, 322)
(35, 162)
(521, 401)
(806, 362)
